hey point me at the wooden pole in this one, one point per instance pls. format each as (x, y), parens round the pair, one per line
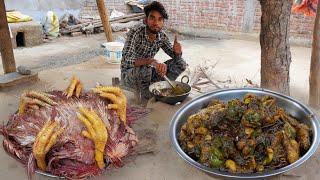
(7, 56)
(314, 78)
(105, 20)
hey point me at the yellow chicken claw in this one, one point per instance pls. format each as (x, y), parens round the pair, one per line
(117, 97)
(107, 89)
(35, 99)
(74, 88)
(96, 131)
(45, 139)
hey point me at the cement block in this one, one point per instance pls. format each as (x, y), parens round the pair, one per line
(15, 78)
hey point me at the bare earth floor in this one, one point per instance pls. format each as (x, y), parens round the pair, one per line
(237, 60)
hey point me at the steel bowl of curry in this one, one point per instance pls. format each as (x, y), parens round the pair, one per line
(244, 133)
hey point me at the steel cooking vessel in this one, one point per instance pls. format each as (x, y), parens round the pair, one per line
(157, 86)
(292, 106)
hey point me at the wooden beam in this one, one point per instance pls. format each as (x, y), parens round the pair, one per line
(105, 19)
(314, 78)
(8, 63)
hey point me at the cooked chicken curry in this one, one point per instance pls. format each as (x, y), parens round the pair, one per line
(178, 90)
(253, 135)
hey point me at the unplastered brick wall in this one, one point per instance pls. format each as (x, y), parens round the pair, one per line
(89, 10)
(301, 27)
(229, 15)
(223, 15)
(235, 16)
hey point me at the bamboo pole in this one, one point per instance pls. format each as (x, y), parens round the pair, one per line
(7, 56)
(105, 19)
(314, 78)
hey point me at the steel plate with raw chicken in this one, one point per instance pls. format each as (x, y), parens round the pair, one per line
(72, 134)
(249, 136)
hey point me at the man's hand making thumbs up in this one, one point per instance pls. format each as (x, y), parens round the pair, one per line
(176, 46)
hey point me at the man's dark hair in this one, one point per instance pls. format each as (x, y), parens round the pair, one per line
(156, 6)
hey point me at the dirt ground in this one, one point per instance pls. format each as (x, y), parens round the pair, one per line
(236, 61)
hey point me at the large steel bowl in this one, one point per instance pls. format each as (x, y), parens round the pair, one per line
(292, 106)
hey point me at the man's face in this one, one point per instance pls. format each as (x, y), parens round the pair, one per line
(154, 22)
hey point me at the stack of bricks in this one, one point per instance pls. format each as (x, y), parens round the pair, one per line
(90, 11)
(239, 16)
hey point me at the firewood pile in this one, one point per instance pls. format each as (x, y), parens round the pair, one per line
(97, 24)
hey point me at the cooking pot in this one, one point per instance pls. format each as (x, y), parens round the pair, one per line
(156, 87)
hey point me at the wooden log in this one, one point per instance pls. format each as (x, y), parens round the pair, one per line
(314, 78)
(81, 25)
(113, 19)
(77, 26)
(96, 25)
(76, 34)
(129, 19)
(105, 19)
(63, 31)
(8, 62)
(127, 16)
(123, 26)
(120, 21)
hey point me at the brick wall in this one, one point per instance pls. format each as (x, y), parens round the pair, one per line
(235, 16)
(217, 15)
(301, 27)
(228, 15)
(90, 8)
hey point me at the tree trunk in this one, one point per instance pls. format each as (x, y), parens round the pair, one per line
(314, 78)
(275, 48)
(7, 56)
(105, 19)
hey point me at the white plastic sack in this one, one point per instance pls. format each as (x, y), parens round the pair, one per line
(116, 13)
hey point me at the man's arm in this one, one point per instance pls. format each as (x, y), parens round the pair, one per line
(168, 47)
(160, 68)
(144, 61)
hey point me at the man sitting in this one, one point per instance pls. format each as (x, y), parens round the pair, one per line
(138, 67)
